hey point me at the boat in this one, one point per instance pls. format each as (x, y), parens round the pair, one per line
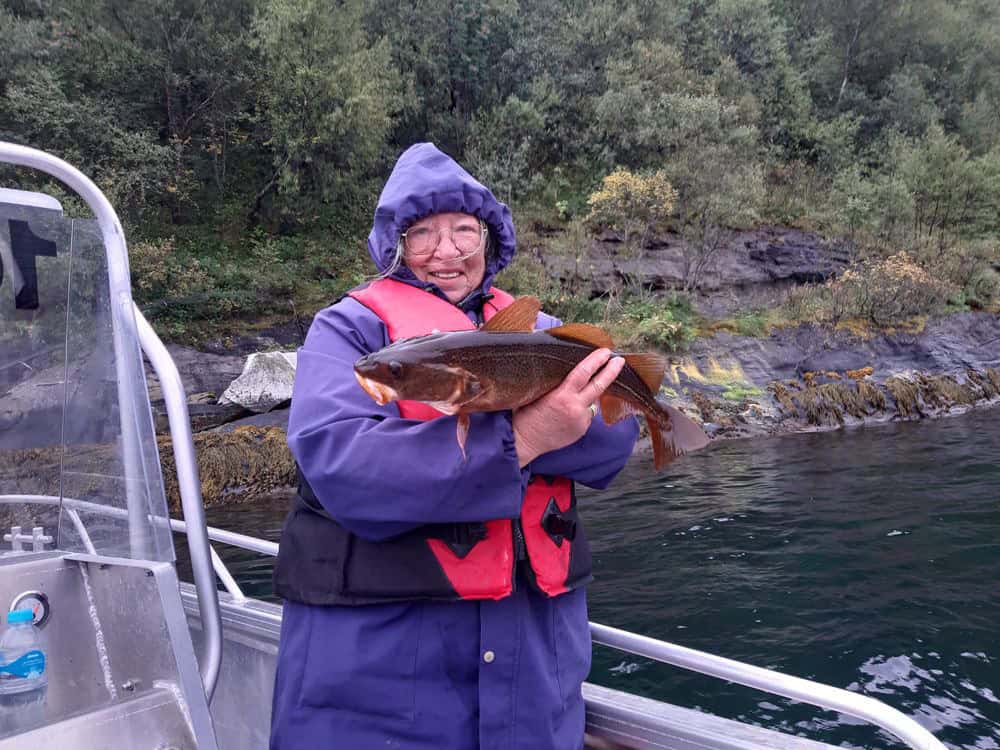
(136, 657)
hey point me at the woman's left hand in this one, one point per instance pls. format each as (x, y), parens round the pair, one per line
(563, 415)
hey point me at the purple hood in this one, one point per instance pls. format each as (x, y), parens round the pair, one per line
(426, 181)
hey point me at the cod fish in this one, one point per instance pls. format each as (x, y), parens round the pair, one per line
(507, 364)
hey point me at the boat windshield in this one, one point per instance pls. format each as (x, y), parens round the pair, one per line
(78, 454)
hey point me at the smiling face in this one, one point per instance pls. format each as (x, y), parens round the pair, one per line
(436, 249)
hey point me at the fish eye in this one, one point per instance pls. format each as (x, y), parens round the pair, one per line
(395, 369)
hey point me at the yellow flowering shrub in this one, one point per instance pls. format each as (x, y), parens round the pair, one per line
(886, 290)
(632, 203)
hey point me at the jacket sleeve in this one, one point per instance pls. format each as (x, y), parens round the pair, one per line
(376, 473)
(597, 457)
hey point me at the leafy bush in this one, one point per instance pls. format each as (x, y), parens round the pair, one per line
(665, 325)
(527, 275)
(982, 291)
(160, 273)
(635, 205)
(886, 291)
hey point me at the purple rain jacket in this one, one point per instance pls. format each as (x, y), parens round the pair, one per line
(487, 674)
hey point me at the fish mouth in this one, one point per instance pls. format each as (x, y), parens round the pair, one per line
(381, 393)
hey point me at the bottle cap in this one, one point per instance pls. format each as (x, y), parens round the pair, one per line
(20, 615)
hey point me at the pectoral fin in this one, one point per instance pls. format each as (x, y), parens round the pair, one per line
(462, 433)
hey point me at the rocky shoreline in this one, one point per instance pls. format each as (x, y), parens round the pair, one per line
(800, 379)
(796, 379)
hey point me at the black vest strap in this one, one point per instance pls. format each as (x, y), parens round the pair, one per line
(460, 537)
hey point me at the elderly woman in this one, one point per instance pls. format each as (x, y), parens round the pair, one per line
(435, 599)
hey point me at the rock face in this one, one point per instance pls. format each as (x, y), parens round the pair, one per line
(48, 405)
(812, 377)
(205, 376)
(752, 268)
(951, 344)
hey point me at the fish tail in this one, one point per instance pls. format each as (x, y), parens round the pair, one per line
(673, 437)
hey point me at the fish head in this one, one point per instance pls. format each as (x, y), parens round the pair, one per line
(398, 375)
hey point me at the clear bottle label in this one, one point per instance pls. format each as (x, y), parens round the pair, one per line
(28, 666)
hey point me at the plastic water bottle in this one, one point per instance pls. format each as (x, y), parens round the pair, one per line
(22, 673)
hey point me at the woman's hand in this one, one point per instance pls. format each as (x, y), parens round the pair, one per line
(562, 415)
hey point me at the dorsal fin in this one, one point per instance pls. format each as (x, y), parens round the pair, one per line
(649, 367)
(583, 333)
(518, 317)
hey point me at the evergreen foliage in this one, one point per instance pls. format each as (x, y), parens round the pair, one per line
(212, 124)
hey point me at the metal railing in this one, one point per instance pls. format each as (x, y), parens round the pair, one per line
(203, 557)
(767, 680)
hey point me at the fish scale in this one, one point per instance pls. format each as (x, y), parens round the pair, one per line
(514, 358)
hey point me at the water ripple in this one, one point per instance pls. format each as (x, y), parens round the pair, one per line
(867, 559)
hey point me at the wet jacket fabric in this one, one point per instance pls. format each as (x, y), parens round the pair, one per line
(419, 674)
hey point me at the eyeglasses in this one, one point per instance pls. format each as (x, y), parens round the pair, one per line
(468, 239)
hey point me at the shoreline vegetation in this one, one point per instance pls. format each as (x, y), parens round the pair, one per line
(738, 386)
(775, 193)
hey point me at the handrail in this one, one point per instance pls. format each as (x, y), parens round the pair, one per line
(190, 491)
(817, 694)
(874, 711)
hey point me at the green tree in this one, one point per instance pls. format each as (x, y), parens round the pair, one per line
(457, 61)
(328, 97)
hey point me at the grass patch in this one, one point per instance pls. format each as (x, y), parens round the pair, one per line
(752, 323)
(738, 392)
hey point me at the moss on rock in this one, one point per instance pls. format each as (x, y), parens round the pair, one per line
(245, 463)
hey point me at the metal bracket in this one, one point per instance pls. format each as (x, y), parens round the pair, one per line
(38, 539)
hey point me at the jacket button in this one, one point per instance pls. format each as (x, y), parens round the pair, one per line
(489, 656)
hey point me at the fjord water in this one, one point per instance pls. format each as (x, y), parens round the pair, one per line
(864, 558)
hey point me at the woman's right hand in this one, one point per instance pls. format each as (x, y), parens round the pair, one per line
(563, 415)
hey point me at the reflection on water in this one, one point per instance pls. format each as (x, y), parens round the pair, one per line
(867, 559)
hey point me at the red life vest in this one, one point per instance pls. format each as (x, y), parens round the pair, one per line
(486, 570)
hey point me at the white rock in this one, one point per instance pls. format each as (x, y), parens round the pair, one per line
(265, 382)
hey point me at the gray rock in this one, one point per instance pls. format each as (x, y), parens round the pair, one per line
(42, 410)
(266, 382)
(204, 375)
(951, 344)
(201, 372)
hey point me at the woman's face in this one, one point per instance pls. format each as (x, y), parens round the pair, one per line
(447, 250)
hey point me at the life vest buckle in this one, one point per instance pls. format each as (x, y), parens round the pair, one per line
(460, 537)
(557, 525)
